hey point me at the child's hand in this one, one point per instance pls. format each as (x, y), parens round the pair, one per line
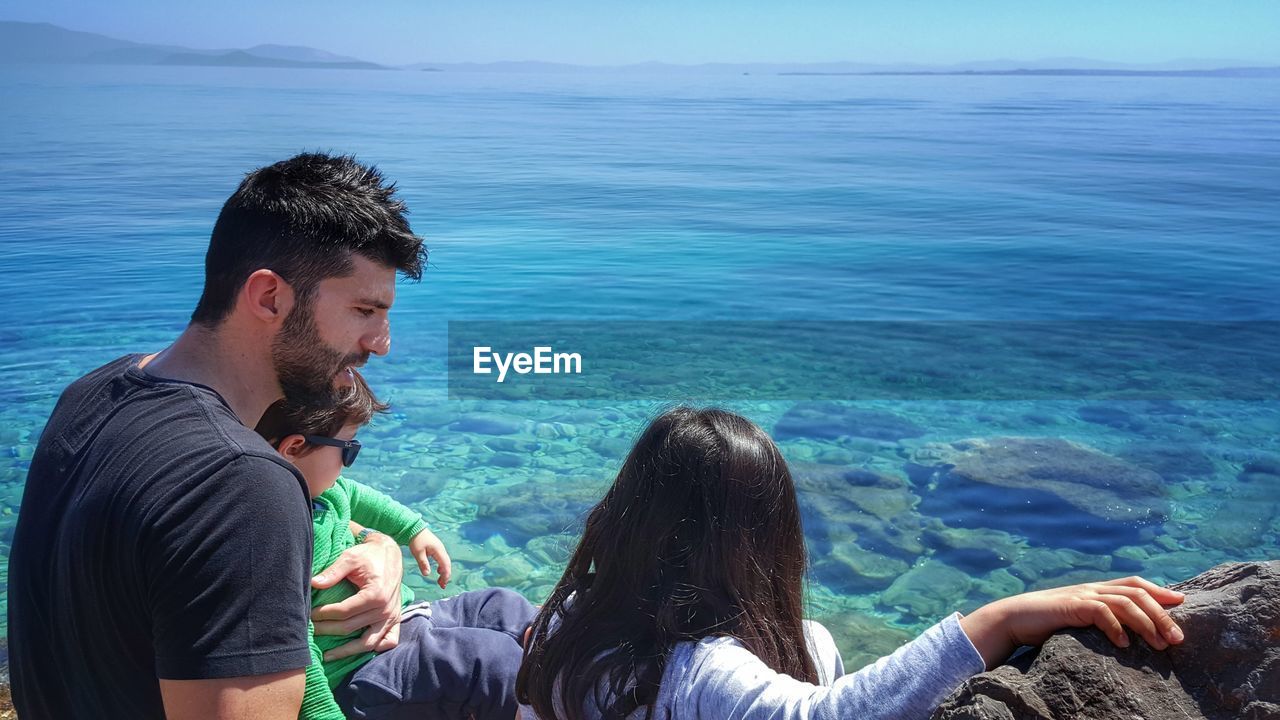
(426, 545)
(1029, 619)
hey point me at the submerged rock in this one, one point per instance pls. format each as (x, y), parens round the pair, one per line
(487, 424)
(527, 510)
(849, 569)
(1243, 514)
(1228, 668)
(975, 550)
(1175, 463)
(1090, 480)
(1111, 416)
(928, 590)
(862, 639)
(830, 421)
(1070, 495)
(841, 505)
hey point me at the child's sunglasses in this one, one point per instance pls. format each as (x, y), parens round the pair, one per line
(350, 448)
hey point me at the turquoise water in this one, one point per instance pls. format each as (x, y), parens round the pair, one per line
(700, 199)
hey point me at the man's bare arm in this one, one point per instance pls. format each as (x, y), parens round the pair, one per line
(266, 697)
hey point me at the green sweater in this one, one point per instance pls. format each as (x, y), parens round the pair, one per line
(333, 511)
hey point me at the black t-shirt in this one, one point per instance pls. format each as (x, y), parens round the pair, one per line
(158, 538)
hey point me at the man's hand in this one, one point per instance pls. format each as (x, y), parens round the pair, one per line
(376, 568)
(1001, 627)
(426, 545)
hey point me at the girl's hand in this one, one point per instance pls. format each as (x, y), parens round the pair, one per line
(426, 545)
(1001, 627)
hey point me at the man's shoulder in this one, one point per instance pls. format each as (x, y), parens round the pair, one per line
(186, 428)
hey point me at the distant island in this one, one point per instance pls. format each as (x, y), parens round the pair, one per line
(22, 42)
(1068, 72)
(45, 43)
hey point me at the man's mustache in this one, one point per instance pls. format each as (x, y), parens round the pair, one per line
(355, 360)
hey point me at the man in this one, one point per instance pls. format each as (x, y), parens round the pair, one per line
(160, 562)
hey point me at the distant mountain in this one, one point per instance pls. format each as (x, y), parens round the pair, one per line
(300, 53)
(42, 42)
(241, 58)
(45, 43)
(529, 66)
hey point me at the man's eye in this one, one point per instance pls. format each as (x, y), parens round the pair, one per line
(367, 312)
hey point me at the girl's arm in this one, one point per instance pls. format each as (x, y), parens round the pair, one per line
(723, 680)
(1001, 627)
(728, 682)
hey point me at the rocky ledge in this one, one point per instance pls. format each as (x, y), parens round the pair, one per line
(1227, 669)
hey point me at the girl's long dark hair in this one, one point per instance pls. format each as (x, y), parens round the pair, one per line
(699, 536)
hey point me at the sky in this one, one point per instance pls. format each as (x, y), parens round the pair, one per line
(607, 32)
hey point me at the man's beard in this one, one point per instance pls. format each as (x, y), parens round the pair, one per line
(304, 364)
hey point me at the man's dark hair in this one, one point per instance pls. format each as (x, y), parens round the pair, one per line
(302, 218)
(356, 406)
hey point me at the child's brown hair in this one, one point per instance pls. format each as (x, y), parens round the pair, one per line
(357, 406)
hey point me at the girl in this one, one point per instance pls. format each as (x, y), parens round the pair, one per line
(683, 600)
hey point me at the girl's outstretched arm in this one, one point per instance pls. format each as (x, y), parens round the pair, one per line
(1001, 627)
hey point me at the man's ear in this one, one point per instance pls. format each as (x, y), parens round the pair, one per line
(291, 447)
(267, 296)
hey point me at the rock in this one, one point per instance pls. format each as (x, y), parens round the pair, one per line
(508, 571)
(1175, 463)
(527, 510)
(418, 485)
(849, 569)
(862, 639)
(1265, 464)
(611, 448)
(835, 456)
(434, 417)
(1134, 553)
(1088, 479)
(513, 445)
(507, 460)
(550, 550)
(836, 478)
(1110, 416)
(927, 591)
(830, 421)
(487, 424)
(1243, 515)
(1228, 667)
(977, 550)
(1074, 495)
(841, 504)
(998, 584)
(1038, 562)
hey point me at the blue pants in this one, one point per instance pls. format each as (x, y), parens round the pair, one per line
(460, 662)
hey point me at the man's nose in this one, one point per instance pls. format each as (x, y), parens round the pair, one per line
(378, 342)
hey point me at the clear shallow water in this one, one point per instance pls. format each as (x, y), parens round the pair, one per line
(745, 198)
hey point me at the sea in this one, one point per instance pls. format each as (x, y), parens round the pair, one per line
(939, 228)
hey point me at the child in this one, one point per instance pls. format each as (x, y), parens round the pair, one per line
(684, 600)
(456, 657)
